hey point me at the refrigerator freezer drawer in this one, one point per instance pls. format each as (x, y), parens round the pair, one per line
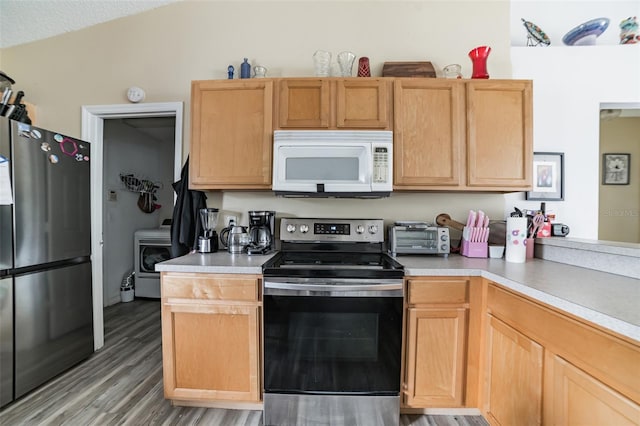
(53, 323)
(6, 340)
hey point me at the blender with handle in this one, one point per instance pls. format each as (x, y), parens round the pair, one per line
(208, 242)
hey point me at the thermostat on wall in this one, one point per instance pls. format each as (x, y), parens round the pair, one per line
(135, 94)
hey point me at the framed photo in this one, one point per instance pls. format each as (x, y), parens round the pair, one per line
(548, 177)
(615, 169)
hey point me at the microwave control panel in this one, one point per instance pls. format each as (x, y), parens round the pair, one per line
(380, 164)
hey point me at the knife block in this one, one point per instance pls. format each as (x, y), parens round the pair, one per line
(473, 249)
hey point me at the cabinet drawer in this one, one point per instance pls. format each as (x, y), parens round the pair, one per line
(210, 286)
(445, 290)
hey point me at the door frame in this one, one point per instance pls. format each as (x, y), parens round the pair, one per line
(93, 117)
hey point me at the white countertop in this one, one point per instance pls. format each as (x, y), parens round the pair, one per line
(219, 263)
(609, 300)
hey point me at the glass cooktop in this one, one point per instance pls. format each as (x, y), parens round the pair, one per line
(333, 264)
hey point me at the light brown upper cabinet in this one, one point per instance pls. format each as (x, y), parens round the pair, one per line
(231, 134)
(462, 134)
(429, 134)
(334, 103)
(499, 134)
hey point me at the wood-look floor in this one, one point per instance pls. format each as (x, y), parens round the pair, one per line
(121, 384)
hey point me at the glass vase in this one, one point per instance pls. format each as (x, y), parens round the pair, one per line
(363, 67)
(345, 61)
(321, 63)
(479, 57)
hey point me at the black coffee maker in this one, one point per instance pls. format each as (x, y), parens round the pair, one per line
(262, 226)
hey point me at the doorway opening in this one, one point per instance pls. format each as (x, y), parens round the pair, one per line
(108, 152)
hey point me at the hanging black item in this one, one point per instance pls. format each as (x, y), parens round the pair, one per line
(186, 226)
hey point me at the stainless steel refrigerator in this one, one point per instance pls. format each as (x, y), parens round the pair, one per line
(46, 315)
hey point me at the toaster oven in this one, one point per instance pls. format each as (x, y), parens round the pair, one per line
(418, 238)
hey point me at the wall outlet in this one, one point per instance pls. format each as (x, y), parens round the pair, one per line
(229, 218)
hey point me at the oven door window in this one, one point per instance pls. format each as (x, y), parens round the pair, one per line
(332, 344)
(150, 255)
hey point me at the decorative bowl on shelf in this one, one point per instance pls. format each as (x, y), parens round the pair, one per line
(535, 35)
(586, 33)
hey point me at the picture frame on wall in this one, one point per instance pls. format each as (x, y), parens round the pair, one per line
(615, 169)
(548, 177)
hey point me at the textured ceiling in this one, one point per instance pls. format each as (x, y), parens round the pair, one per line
(23, 21)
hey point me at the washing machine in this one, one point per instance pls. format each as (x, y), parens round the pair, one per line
(151, 246)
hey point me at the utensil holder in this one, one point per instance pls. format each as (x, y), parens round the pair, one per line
(473, 248)
(529, 244)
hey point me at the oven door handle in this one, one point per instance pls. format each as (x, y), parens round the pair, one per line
(335, 289)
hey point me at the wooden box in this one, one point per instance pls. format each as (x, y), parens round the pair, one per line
(408, 69)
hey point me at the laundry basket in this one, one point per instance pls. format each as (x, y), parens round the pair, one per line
(126, 287)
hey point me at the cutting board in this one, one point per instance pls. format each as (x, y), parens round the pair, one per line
(408, 69)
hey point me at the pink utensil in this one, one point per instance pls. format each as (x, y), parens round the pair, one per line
(471, 218)
(538, 223)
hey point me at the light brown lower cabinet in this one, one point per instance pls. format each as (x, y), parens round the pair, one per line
(436, 356)
(210, 337)
(440, 367)
(543, 366)
(514, 377)
(577, 398)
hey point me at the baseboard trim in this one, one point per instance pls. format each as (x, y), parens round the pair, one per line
(229, 405)
(458, 411)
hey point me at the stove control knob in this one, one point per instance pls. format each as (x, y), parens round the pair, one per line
(359, 229)
(291, 228)
(373, 229)
(444, 238)
(304, 228)
(444, 247)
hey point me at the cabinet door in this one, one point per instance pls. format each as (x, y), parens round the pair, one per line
(577, 398)
(304, 103)
(210, 351)
(499, 134)
(436, 345)
(428, 133)
(231, 130)
(362, 103)
(514, 377)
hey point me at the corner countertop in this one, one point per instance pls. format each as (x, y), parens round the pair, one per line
(608, 300)
(605, 299)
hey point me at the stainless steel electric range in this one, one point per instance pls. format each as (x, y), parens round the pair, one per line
(332, 325)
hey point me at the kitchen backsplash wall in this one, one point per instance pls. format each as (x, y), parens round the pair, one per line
(400, 206)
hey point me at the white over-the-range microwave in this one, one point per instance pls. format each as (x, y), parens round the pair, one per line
(333, 163)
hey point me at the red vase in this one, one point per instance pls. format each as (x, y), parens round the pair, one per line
(479, 59)
(363, 67)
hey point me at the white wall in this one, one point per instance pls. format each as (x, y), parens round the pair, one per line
(164, 49)
(569, 83)
(127, 150)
